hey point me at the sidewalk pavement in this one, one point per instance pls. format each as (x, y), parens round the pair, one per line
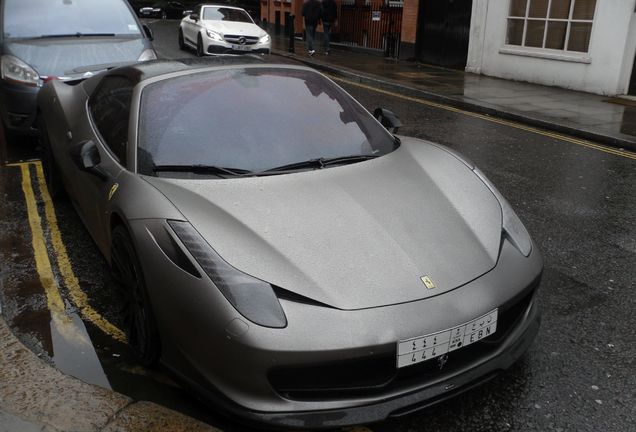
(597, 118)
(37, 397)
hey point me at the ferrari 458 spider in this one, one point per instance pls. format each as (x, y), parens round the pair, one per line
(285, 253)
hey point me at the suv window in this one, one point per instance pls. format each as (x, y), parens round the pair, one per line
(38, 18)
(110, 108)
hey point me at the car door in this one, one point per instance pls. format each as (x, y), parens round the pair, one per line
(106, 125)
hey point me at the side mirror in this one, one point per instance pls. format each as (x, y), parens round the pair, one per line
(187, 12)
(86, 157)
(388, 119)
(148, 32)
(194, 16)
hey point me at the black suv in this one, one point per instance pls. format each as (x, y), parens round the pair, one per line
(43, 40)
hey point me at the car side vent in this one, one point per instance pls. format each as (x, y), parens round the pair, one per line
(73, 82)
(283, 294)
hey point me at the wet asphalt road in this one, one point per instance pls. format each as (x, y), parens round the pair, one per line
(579, 204)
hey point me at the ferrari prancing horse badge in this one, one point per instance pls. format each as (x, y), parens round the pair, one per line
(428, 282)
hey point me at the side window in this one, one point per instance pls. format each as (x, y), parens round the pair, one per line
(110, 108)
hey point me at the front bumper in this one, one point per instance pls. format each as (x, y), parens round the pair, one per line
(444, 387)
(212, 46)
(18, 107)
(235, 364)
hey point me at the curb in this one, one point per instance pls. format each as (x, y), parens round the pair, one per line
(36, 396)
(621, 141)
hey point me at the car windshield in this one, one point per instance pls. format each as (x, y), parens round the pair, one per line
(46, 18)
(213, 13)
(253, 119)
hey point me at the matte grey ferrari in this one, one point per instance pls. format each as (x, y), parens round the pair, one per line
(283, 252)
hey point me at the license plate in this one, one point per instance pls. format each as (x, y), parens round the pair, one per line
(241, 47)
(427, 347)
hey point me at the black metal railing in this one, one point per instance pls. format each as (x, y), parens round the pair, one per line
(374, 24)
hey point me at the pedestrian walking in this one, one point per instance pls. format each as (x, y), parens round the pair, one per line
(312, 11)
(329, 18)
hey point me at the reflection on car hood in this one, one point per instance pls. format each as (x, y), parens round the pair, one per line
(353, 236)
(234, 28)
(60, 57)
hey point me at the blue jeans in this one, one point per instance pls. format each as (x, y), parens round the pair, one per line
(327, 35)
(310, 31)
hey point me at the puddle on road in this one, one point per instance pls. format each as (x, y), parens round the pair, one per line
(61, 336)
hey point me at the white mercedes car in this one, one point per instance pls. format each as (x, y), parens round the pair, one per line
(215, 29)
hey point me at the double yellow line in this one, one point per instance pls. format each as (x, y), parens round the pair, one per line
(42, 261)
(45, 269)
(558, 136)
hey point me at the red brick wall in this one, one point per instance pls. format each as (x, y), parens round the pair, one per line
(269, 8)
(409, 20)
(295, 8)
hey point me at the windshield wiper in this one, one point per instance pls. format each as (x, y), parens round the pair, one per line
(319, 163)
(78, 35)
(201, 169)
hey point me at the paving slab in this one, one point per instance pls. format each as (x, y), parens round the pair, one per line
(146, 416)
(10, 423)
(41, 393)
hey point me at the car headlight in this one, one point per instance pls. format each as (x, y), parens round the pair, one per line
(147, 55)
(264, 39)
(15, 70)
(513, 228)
(214, 35)
(251, 297)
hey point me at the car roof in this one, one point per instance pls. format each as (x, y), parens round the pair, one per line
(143, 71)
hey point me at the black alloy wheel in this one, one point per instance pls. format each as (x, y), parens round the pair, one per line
(51, 173)
(200, 46)
(181, 41)
(141, 329)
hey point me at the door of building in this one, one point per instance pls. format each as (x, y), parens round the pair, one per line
(443, 32)
(632, 81)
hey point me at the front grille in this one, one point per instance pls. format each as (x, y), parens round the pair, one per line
(236, 39)
(374, 376)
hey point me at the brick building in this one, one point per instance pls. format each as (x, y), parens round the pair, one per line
(435, 31)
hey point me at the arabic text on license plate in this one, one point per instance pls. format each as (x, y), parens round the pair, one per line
(241, 47)
(422, 348)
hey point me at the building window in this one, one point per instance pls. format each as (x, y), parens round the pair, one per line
(564, 25)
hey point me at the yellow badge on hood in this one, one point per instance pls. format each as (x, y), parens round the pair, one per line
(113, 189)
(428, 282)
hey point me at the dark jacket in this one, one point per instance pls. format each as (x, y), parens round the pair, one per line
(312, 11)
(329, 11)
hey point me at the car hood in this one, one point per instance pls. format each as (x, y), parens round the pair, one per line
(355, 236)
(72, 57)
(234, 28)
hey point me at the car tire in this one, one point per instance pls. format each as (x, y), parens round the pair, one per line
(141, 328)
(181, 41)
(199, 46)
(51, 172)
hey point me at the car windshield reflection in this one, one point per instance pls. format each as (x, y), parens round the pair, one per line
(254, 119)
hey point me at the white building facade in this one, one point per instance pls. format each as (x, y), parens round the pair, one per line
(587, 45)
